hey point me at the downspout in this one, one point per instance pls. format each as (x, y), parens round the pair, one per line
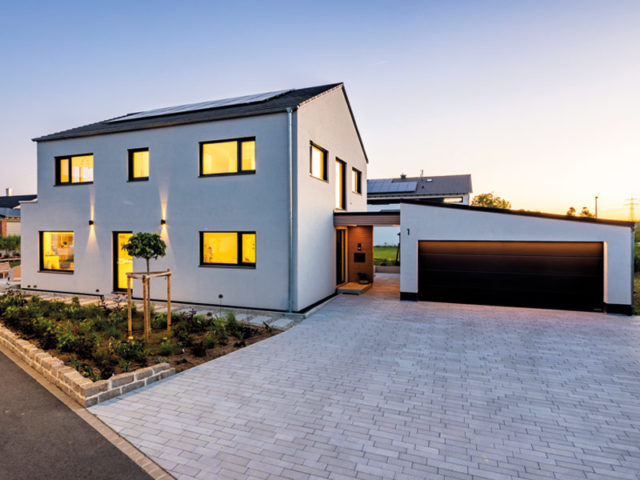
(291, 269)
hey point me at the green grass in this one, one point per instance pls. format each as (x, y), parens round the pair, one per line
(384, 255)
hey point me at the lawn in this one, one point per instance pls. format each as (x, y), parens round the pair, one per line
(93, 338)
(384, 255)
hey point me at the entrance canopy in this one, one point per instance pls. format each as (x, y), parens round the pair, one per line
(388, 218)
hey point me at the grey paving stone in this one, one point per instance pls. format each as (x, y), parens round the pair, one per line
(371, 387)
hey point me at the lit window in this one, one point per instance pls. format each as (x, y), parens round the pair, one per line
(75, 169)
(229, 156)
(356, 181)
(340, 184)
(139, 164)
(56, 251)
(318, 162)
(228, 248)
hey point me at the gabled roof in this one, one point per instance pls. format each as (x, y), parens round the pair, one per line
(9, 212)
(416, 186)
(250, 105)
(12, 201)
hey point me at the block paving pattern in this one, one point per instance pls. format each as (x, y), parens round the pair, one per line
(373, 388)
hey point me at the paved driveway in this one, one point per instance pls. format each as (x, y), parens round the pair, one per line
(371, 387)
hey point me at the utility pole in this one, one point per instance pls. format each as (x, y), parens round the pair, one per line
(596, 206)
(632, 203)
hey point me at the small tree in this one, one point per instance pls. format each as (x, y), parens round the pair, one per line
(571, 212)
(490, 200)
(586, 213)
(146, 245)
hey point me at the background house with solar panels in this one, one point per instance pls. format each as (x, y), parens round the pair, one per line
(388, 193)
(246, 186)
(10, 212)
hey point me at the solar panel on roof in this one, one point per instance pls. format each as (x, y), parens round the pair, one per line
(388, 186)
(192, 107)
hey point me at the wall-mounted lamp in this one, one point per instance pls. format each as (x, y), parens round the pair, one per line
(163, 222)
(91, 223)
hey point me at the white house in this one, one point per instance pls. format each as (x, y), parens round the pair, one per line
(242, 190)
(262, 201)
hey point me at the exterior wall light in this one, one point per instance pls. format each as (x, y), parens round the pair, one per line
(91, 223)
(163, 222)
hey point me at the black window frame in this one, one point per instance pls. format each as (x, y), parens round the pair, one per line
(358, 182)
(240, 263)
(41, 252)
(343, 187)
(325, 168)
(130, 153)
(58, 159)
(239, 142)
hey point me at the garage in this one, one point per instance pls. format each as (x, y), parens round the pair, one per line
(564, 275)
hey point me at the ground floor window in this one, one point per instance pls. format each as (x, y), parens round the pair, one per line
(56, 251)
(228, 248)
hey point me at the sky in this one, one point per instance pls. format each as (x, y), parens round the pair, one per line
(538, 100)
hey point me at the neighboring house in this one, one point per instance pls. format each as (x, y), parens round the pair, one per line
(10, 212)
(388, 193)
(262, 201)
(243, 191)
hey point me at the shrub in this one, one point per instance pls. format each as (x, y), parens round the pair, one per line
(66, 340)
(220, 334)
(198, 349)
(134, 350)
(159, 321)
(234, 328)
(181, 334)
(210, 339)
(105, 361)
(125, 365)
(166, 348)
(46, 329)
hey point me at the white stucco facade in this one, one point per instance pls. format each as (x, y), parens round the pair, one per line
(421, 222)
(190, 204)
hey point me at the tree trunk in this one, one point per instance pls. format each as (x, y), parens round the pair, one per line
(147, 264)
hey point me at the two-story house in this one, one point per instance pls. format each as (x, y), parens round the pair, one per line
(242, 190)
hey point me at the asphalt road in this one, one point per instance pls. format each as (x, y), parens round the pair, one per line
(40, 438)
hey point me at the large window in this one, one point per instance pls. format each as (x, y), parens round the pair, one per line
(228, 157)
(138, 164)
(228, 248)
(340, 184)
(318, 162)
(56, 251)
(356, 181)
(74, 169)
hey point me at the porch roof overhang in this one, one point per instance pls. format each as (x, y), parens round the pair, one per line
(389, 218)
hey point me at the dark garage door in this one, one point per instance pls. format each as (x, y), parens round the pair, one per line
(566, 275)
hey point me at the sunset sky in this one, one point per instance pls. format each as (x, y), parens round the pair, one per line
(539, 100)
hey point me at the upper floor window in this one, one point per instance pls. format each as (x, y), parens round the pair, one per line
(74, 169)
(56, 251)
(340, 184)
(356, 181)
(228, 157)
(318, 165)
(228, 248)
(138, 164)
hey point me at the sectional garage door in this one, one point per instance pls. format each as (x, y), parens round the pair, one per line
(567, 275)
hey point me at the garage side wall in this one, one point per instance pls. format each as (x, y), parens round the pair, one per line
(419, 222)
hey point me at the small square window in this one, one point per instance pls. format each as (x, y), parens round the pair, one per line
(56, 251)
(228, 248)
(74, 169)
(228, 157)
(138, 164)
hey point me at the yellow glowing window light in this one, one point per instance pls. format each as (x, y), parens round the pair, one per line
(139, 164)
(248, 155)
(64, 170)
(124, 261)
(248, 248)
(56, 251)
(82, 169)
(220, 157)
(318, 162)
(339, 184)
(356, 181)
(220, 247)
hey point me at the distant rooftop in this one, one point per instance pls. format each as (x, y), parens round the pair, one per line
(13, 201)
(249, 105)
(418, 186)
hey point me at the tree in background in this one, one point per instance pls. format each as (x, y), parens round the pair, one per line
(571, 212)
(490, 200)
(586, 213)
(145, 245)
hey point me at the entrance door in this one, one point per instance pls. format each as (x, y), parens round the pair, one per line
(341, 246)
(122, 261)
